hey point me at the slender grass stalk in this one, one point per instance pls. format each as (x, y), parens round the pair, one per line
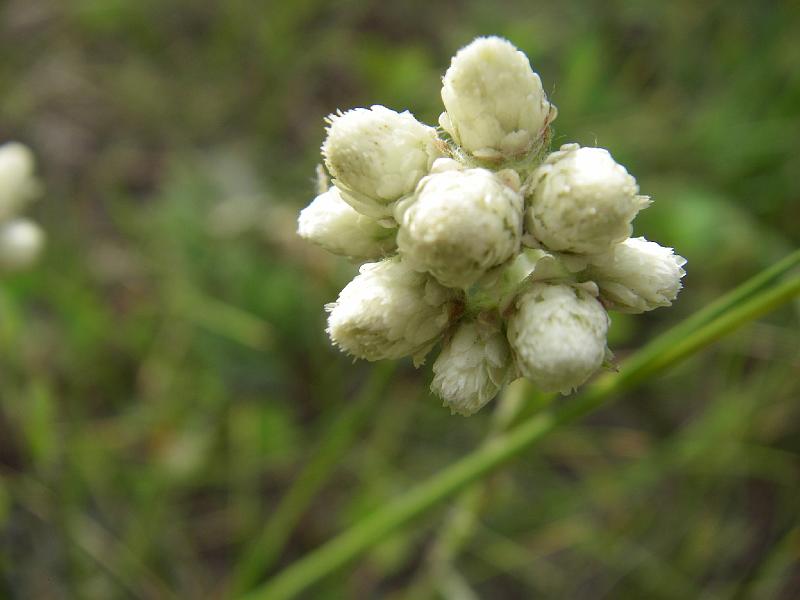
(262, 553)
(456, 530)
(654, 358)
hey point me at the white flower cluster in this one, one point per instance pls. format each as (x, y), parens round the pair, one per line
(21, 240)
(478, 239)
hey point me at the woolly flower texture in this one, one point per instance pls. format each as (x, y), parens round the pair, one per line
(495, 104)
(472, 367)
(336, 226)
(389, 311)
(377, 155)
(459, 224)
(636, 275)
(509, 258)
(558, 334)
(582, 201)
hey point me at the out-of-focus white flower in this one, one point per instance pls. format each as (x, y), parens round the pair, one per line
(583, 201)
(377, 155)
(495, 105)
(336, 226)
(21, 242)
(17, 182)
(558, 335)
(459, 224)
(389, 311)
(472, 367)
(637, 275)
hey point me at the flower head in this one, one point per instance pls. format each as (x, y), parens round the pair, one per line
(495, 105)
(377, 156)
(583, 201)
(333, 224)
(558, 335)
(21, 240)
(459, 224)
(509, 258)
(389, 311)
(17, 182)
(636, 275)
(472, 367)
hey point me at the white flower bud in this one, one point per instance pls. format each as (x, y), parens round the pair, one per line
(389, 311)
(471, 368)
(583, 201)
(460, 224)
(377, 155)
(17, 182)
(558, 335)
(336, 226)
(637, 275)
(496, 107)
(21, 242)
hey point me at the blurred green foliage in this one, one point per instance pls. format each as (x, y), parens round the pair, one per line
(164, 371)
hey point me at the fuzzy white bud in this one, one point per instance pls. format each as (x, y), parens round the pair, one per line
(336, 226)
(471, 368)
(389, 311)
(495, 105)
(377, 155)
(17, 182)
(21, 242)
(637, 275)
(459, 224)
(558, 335)
(583, 201)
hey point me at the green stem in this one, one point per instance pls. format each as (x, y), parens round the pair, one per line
(352, 543)
(455, 531)
(266, 548)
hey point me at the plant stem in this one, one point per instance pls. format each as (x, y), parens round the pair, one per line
(652, 359)
(523, 399)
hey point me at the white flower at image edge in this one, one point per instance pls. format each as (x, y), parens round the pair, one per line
(17, 182)
(21, 243)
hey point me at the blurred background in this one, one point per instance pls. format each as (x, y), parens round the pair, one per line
(165, 376)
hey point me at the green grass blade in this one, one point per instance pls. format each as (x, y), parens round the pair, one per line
(651, 360)
(266, 548)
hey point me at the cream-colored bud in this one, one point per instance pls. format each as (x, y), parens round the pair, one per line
(495, 105)
(389, 311)
(637, 275)
(472, 367)
(336, 226)
(17, 182)
(459, 224)
(583, 201)
(377, 156)
(558, 335)
(21, 243)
